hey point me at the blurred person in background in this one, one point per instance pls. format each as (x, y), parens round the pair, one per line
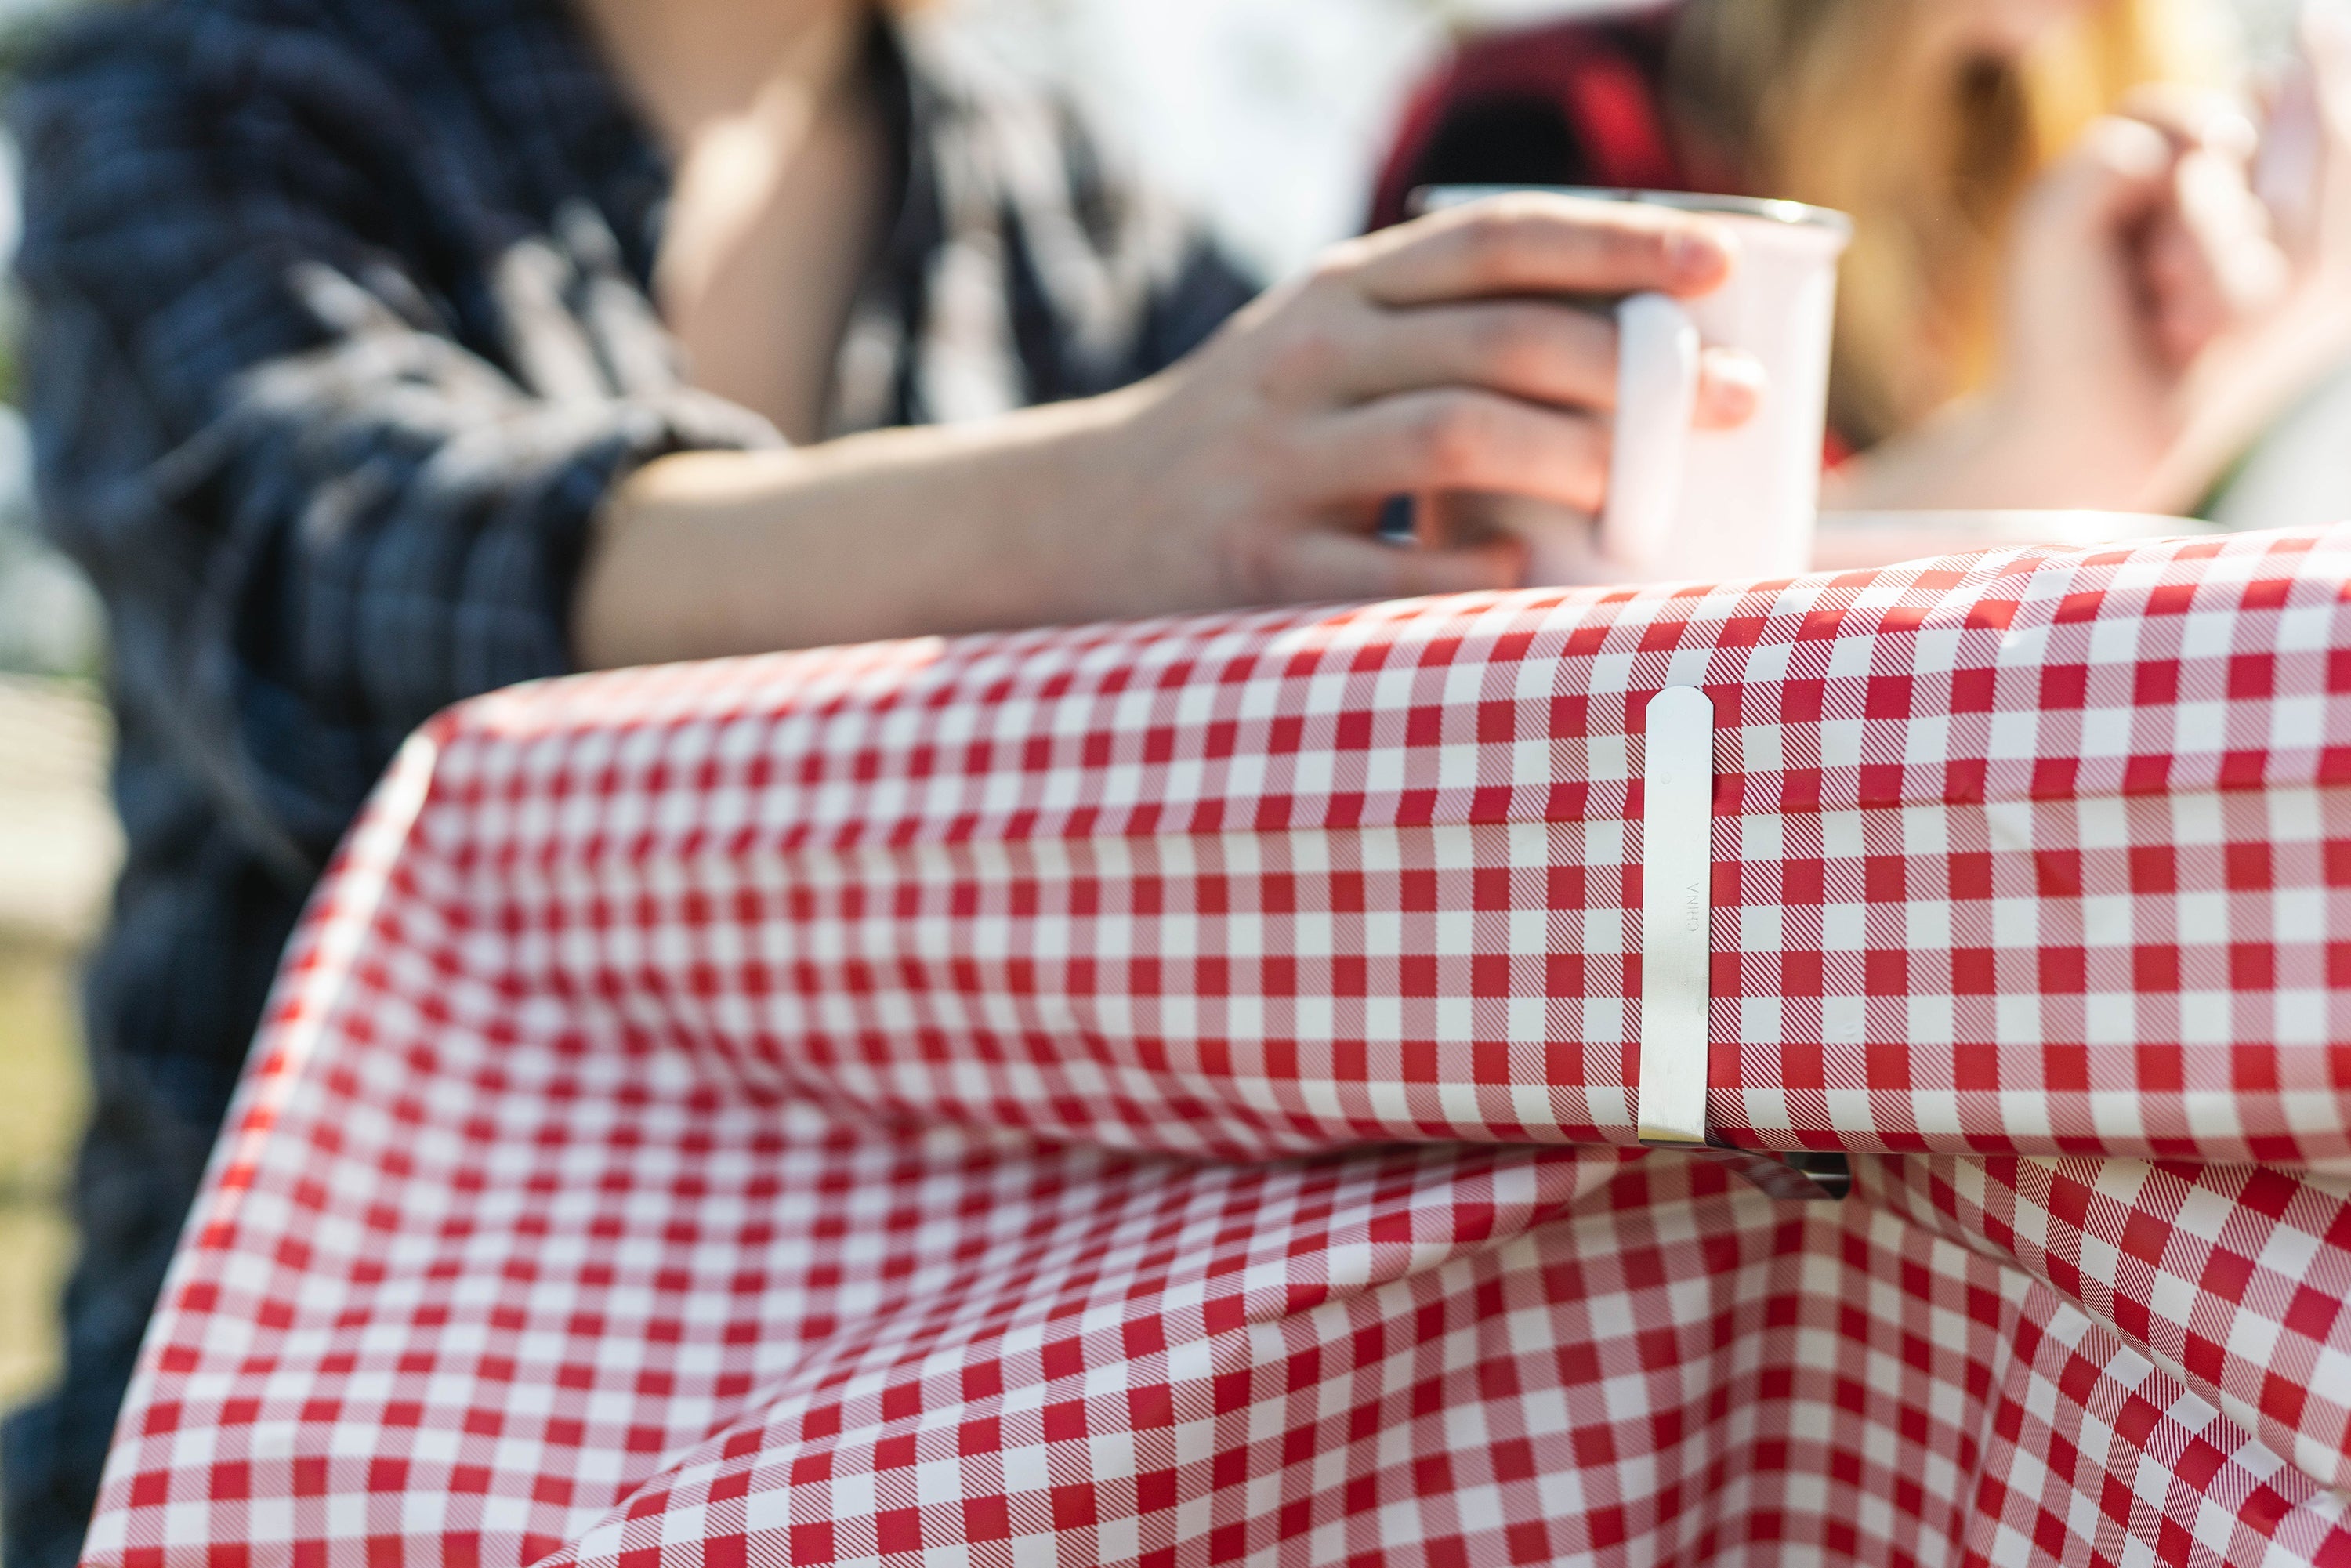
(2062, 290)
(382, 352)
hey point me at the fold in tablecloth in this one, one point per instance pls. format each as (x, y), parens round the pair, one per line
(1145, 1094)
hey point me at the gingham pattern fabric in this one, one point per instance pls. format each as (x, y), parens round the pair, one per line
(1163, 1094)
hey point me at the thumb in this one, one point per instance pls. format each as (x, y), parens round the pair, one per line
(2117, 170)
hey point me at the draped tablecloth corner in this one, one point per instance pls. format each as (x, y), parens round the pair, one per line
(1166, 1094)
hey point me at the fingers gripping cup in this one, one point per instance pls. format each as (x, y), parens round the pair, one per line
(1683, 502)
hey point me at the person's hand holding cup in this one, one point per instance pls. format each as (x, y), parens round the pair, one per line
(1471, 351)
(1689, 495)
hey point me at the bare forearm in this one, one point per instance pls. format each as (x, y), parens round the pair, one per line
(1976, 456)
(898, 533)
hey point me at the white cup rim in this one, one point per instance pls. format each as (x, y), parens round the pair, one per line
(1796, 215)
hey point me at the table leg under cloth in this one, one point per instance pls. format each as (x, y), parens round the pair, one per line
(1168, 1094)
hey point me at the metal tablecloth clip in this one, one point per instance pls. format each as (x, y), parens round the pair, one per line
(1677, 947)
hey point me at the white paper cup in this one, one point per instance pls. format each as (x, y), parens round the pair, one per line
(1686, 503)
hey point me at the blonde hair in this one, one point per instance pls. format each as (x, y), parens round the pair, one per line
(1850, 104)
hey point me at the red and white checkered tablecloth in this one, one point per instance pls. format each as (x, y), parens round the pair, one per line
(1164, 1094)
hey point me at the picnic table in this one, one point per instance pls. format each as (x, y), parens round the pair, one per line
(1172, 1093)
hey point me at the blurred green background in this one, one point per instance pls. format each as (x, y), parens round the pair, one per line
(58, 846)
